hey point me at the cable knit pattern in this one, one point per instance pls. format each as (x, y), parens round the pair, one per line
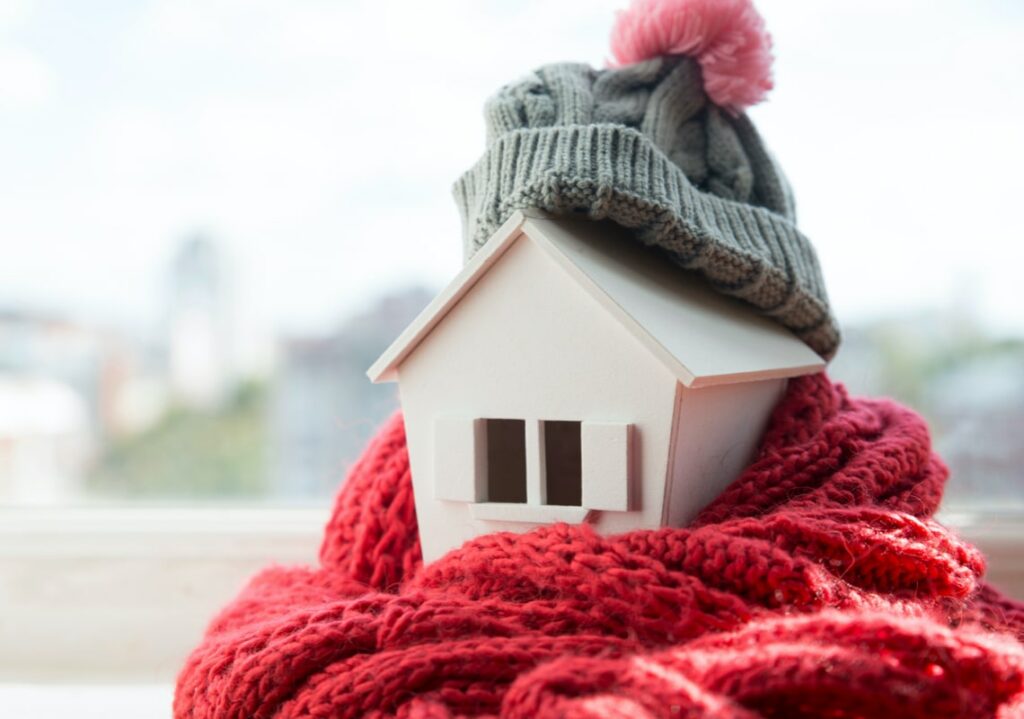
(817, 585)
(641, 146)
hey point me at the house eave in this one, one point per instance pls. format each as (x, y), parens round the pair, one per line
(738, 377)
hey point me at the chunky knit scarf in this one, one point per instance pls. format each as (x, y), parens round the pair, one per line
(817, 585)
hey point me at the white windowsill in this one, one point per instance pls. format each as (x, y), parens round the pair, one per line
(130, 531)
(86, 701)
(531, 513)
(123, 594)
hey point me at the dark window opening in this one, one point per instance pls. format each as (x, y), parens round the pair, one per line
(563, 463)
(506, 460)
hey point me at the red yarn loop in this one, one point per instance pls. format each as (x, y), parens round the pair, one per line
(816, 585)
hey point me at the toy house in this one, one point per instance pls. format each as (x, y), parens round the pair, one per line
(571, 374)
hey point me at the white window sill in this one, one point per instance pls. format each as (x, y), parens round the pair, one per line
(123, 594)
(530, 513)
(181, 532)
(89, 701)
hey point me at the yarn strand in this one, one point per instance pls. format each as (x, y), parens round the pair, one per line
(817, 585)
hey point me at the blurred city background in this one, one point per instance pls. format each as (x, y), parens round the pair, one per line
(91, 413)
(214, 216)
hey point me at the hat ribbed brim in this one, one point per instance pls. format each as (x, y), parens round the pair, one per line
(614, 172)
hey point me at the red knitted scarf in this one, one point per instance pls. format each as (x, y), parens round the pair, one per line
(816, 586)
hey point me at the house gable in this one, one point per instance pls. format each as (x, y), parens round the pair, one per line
(663, 306)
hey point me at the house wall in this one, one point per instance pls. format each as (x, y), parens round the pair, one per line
(526, 342)
(718, 430)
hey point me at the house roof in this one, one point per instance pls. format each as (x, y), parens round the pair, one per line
(662, 305)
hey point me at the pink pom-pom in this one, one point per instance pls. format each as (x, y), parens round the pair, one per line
(726, 37)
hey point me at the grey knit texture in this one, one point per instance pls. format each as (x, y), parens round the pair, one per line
(642, 146)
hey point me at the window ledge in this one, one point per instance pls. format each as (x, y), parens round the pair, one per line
(87, 701)
(123, 593)
(122, 532)
(533, 513)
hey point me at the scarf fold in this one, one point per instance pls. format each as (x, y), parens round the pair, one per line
(816, 585)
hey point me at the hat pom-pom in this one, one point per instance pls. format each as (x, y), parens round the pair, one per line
(726, 37)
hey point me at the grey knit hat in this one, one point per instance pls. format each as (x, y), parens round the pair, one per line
(643, 146)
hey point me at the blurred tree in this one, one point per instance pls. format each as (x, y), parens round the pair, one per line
(192, 454)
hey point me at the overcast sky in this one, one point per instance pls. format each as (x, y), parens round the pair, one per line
(317, 141)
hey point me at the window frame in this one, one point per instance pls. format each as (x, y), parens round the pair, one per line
(535, 509)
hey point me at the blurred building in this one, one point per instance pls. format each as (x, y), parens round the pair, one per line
(44, 345)
(968, 384)
(198, 332)
(53, 404)
(977, 410)
(324, 408)
(46, 440)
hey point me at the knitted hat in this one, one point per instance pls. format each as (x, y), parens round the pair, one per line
(660, 145)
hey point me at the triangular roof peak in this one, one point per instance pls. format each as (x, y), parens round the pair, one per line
(662, 305)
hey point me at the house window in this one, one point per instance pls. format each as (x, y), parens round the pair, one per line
(506, 460)
(563, 464)
(530, 470)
